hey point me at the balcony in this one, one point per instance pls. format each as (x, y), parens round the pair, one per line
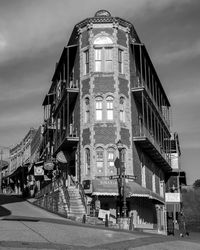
(146, 140)
(67, 138)
(140, 88)
(69, 91)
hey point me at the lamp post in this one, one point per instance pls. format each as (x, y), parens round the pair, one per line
(122, 178)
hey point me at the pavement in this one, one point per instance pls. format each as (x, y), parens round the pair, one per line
(24, 226)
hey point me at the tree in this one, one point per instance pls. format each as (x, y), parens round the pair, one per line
(196, 184)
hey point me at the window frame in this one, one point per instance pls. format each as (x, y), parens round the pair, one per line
(121, 61)
(99, 152)
(99, 108)
(87, 110)
(86, 62)
(105, 58)
(87, 161)
(122, 117)
(110, 108)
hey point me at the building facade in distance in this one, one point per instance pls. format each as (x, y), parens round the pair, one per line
(105, 89)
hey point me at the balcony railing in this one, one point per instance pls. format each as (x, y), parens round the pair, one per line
(139, 84)
(147, 140)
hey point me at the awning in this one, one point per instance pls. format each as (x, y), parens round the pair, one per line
(105, 187)
(102, 187)
(136, 190)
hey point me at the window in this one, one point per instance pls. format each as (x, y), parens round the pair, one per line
(109, 107)
(87, 110)
(99, 109)
(122, 110)
(99, 160)
(86, 62)
(98, 60)
(103, 55)
(87, 161)
(143, 172)
(111, 157)
(120, 61)
(154, 183)
(108, 60)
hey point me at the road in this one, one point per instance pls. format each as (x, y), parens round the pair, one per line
(25, 226)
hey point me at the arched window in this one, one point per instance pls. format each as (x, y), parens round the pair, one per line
(103, 54)
(99, 108)
(87, 110)
(100, 159)
(122, 109)
(109, 108)
(87, 161)
(110, 160)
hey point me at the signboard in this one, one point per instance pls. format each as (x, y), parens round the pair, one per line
(172, 197)
(102, 214)
(49, 165)
(132, 177)
(61, 157)
(38, 171)
(113, 177)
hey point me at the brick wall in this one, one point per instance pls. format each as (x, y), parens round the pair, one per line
(104, 84)
(104, 134)
(123, 87)
(85, 39)
(125, 136)
(86, 137)
(121, 36)
(96, 31)
(85, 87)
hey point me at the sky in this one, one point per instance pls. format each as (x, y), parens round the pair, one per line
(32, 37)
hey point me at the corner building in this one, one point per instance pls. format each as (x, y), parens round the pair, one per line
(105, 89)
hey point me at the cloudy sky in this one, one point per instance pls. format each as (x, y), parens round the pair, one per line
(33, 34)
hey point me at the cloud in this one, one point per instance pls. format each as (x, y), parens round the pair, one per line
(3, 43)
(183, 54)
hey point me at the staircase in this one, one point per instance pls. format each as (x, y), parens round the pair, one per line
(76, 208)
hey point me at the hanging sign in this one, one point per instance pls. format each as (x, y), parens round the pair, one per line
(61, 157)
(48, 165)
(38, 171)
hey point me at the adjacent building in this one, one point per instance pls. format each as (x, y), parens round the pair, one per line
(19, 161)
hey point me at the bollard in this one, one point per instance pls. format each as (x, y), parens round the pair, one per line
(84, 219)
(106, 221)
(131, 222)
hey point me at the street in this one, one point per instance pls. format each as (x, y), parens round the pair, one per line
(25, 226)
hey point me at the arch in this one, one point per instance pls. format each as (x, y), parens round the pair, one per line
(103, 40)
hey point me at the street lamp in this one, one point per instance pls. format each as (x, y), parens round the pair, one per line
(122, 178)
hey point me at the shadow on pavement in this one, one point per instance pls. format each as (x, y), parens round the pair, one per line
(4, 211)
(5, 199)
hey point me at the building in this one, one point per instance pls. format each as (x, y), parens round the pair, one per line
(105, 89)
(19, 162)
(175, 180)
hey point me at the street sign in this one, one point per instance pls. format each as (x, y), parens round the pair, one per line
(112, 177)
(132, 177)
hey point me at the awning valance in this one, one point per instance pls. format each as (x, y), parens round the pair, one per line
(104, 187)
